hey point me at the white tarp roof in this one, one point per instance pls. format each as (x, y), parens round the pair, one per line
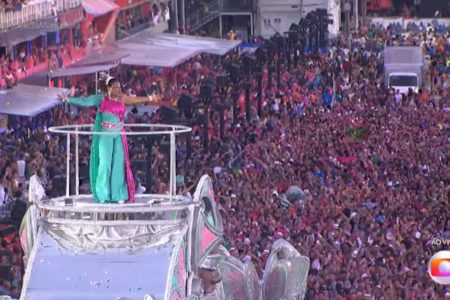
(158, 49)
(28, 32)
(28, 100)
(155, 56)
(81, 70)
(101, 56)
(199, 44)
(18, 35)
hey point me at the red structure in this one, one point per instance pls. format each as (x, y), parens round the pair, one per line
(376, 5)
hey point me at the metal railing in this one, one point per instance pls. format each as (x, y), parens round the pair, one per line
(63, 5)
(201, 17)
(122, 33)
(34, 11)
(236, 6)
(152, 129)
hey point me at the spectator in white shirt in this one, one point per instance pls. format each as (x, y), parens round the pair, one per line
(21, 164)
(36, 190)
(2, 193)
(398, 97)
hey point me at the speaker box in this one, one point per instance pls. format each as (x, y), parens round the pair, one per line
(222, 80)
(185, 103)
(18, 211)
(199, 117)
(5, 272)
(168, 115)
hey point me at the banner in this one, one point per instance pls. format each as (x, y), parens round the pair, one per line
(385, 22)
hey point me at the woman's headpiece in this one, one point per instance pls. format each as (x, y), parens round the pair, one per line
(106, 77)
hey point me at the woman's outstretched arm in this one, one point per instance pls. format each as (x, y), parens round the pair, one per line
(94, 100)
(133, 100)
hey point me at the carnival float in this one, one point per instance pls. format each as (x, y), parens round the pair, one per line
(159, 247)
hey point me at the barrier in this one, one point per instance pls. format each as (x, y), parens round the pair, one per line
(404, 22)
(34, 11)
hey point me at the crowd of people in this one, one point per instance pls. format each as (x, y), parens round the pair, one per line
(45, 54)
(11, 5)
(134, 19)
(11, 68)
(373, 165)
(52, 56)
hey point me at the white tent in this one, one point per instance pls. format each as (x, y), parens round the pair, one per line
(81, 70)
(158, 49)
(28, 32)
(155, 56)
(101, 56)
(28, 100)
(199, 44)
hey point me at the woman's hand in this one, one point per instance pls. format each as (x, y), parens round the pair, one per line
(63, 97)
(154, 98)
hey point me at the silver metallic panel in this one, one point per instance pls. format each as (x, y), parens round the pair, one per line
(58, 273)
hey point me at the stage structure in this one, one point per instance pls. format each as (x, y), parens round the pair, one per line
(160, 247)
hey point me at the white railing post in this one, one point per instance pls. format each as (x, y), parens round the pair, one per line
(77, 164)
(173, 166)
(68, 166)
(2, 20)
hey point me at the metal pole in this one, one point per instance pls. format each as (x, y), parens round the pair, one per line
(278, 72)
(248, 86)
(220, 25)
(148, 170)
(68, 166)
(252, 26)
(206, 129)
(236, 94)
(77, 164)
(222, 123)
(269, 70)
(301, 9)
(364, 12)
(289, 59)
(183, 15)
(173, 166)
(176, 15)
(295, 52)
(96, 82)
(346, 9)
(356, 14)
(260, 79)
(189, 144)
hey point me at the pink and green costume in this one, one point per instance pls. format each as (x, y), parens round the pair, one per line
(109, 171)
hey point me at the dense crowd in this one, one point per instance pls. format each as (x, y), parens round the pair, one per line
(11, 5)
(134, 19)
(11, 68)
(53, 57)
(373, 165)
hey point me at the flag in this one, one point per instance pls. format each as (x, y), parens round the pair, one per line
(333, 99)
(358, 133)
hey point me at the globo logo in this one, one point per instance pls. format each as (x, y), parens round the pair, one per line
(439, 267)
